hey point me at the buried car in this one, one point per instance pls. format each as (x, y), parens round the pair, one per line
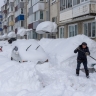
(28, 50)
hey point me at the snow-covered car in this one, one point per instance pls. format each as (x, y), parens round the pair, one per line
(28, 50)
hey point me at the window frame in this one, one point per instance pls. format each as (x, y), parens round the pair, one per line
(75, 30)
(60, 32)
(91, 28)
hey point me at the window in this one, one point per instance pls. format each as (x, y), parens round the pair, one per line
(47, 16)
(65, 4)
(90, 29)
(11, 8)
(73, 30)
(38, 15)
(41, 14)
(22, 12)
(54, 19)
(22, 23)
(75, 2)
(61, 32)
(11, 28)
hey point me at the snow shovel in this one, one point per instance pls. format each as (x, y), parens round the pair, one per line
(92, 65)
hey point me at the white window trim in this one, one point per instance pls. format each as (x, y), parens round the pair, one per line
(59, 31)
(72, 25)
(91, 28)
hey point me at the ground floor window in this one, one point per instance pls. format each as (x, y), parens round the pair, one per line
(30, 35)
(61, 32)
(73, 30)
(90, 29)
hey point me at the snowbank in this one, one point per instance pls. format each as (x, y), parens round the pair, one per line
(5, 36)
(61, 50)
(12, 35)
(46, 26)
(23, 31)
(29, 79)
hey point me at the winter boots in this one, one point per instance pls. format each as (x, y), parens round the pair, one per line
(87, 73)
(77, 72)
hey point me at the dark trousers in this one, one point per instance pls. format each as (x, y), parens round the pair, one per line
(84, 64)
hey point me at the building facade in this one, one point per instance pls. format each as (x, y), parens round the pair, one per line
(35, 15)
(1, 17)
(4, 12)
(39, 11)
(72, 17)
(77, 17)
(20, 7)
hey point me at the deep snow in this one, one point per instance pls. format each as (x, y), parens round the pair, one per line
(56, 78)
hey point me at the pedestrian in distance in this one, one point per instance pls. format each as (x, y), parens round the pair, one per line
(0, 48)
(83, 52)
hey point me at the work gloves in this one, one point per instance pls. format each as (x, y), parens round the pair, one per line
(87, 53)
(77, 48)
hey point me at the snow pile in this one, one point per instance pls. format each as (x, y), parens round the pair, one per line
(1, 37)
(60, 50)
(34, 53)
(29, 79)
(46, 26)
(4, 36)
(23, 31)
(12, 35)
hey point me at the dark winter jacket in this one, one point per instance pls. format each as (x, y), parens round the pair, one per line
(82, 56)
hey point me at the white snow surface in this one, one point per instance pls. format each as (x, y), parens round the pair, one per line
(23, 31)
(46, 26)
(56, 78)
(12, 35)
(32, 54)
(4, 36)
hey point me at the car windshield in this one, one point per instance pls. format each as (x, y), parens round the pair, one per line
(16, 48)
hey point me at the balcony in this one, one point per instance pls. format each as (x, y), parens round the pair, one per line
(5, 11)
(4, 27)
(21, 5)
(1, 29)
(30, 26)
(38, 6)
(18, 18)
(11, 23)
(83, 9)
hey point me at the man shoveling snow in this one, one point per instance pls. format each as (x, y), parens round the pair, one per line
(83, 51)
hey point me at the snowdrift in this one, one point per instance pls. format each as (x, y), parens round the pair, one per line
(46, 26)
(23, 31)
(29, 79)
(12, 35)
(60, 50)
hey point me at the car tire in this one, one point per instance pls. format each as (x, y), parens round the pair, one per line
(11, 58)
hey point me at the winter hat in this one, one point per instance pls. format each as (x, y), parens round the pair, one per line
(84, 43)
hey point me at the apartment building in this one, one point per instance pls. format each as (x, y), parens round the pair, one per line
(35, 11)
(54, 10)
(1, 17)
(20, 14)
(77, 17)
(10, 16)
(39, 11)
(4, 12)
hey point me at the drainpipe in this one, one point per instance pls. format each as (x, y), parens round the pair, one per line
(49, 10)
